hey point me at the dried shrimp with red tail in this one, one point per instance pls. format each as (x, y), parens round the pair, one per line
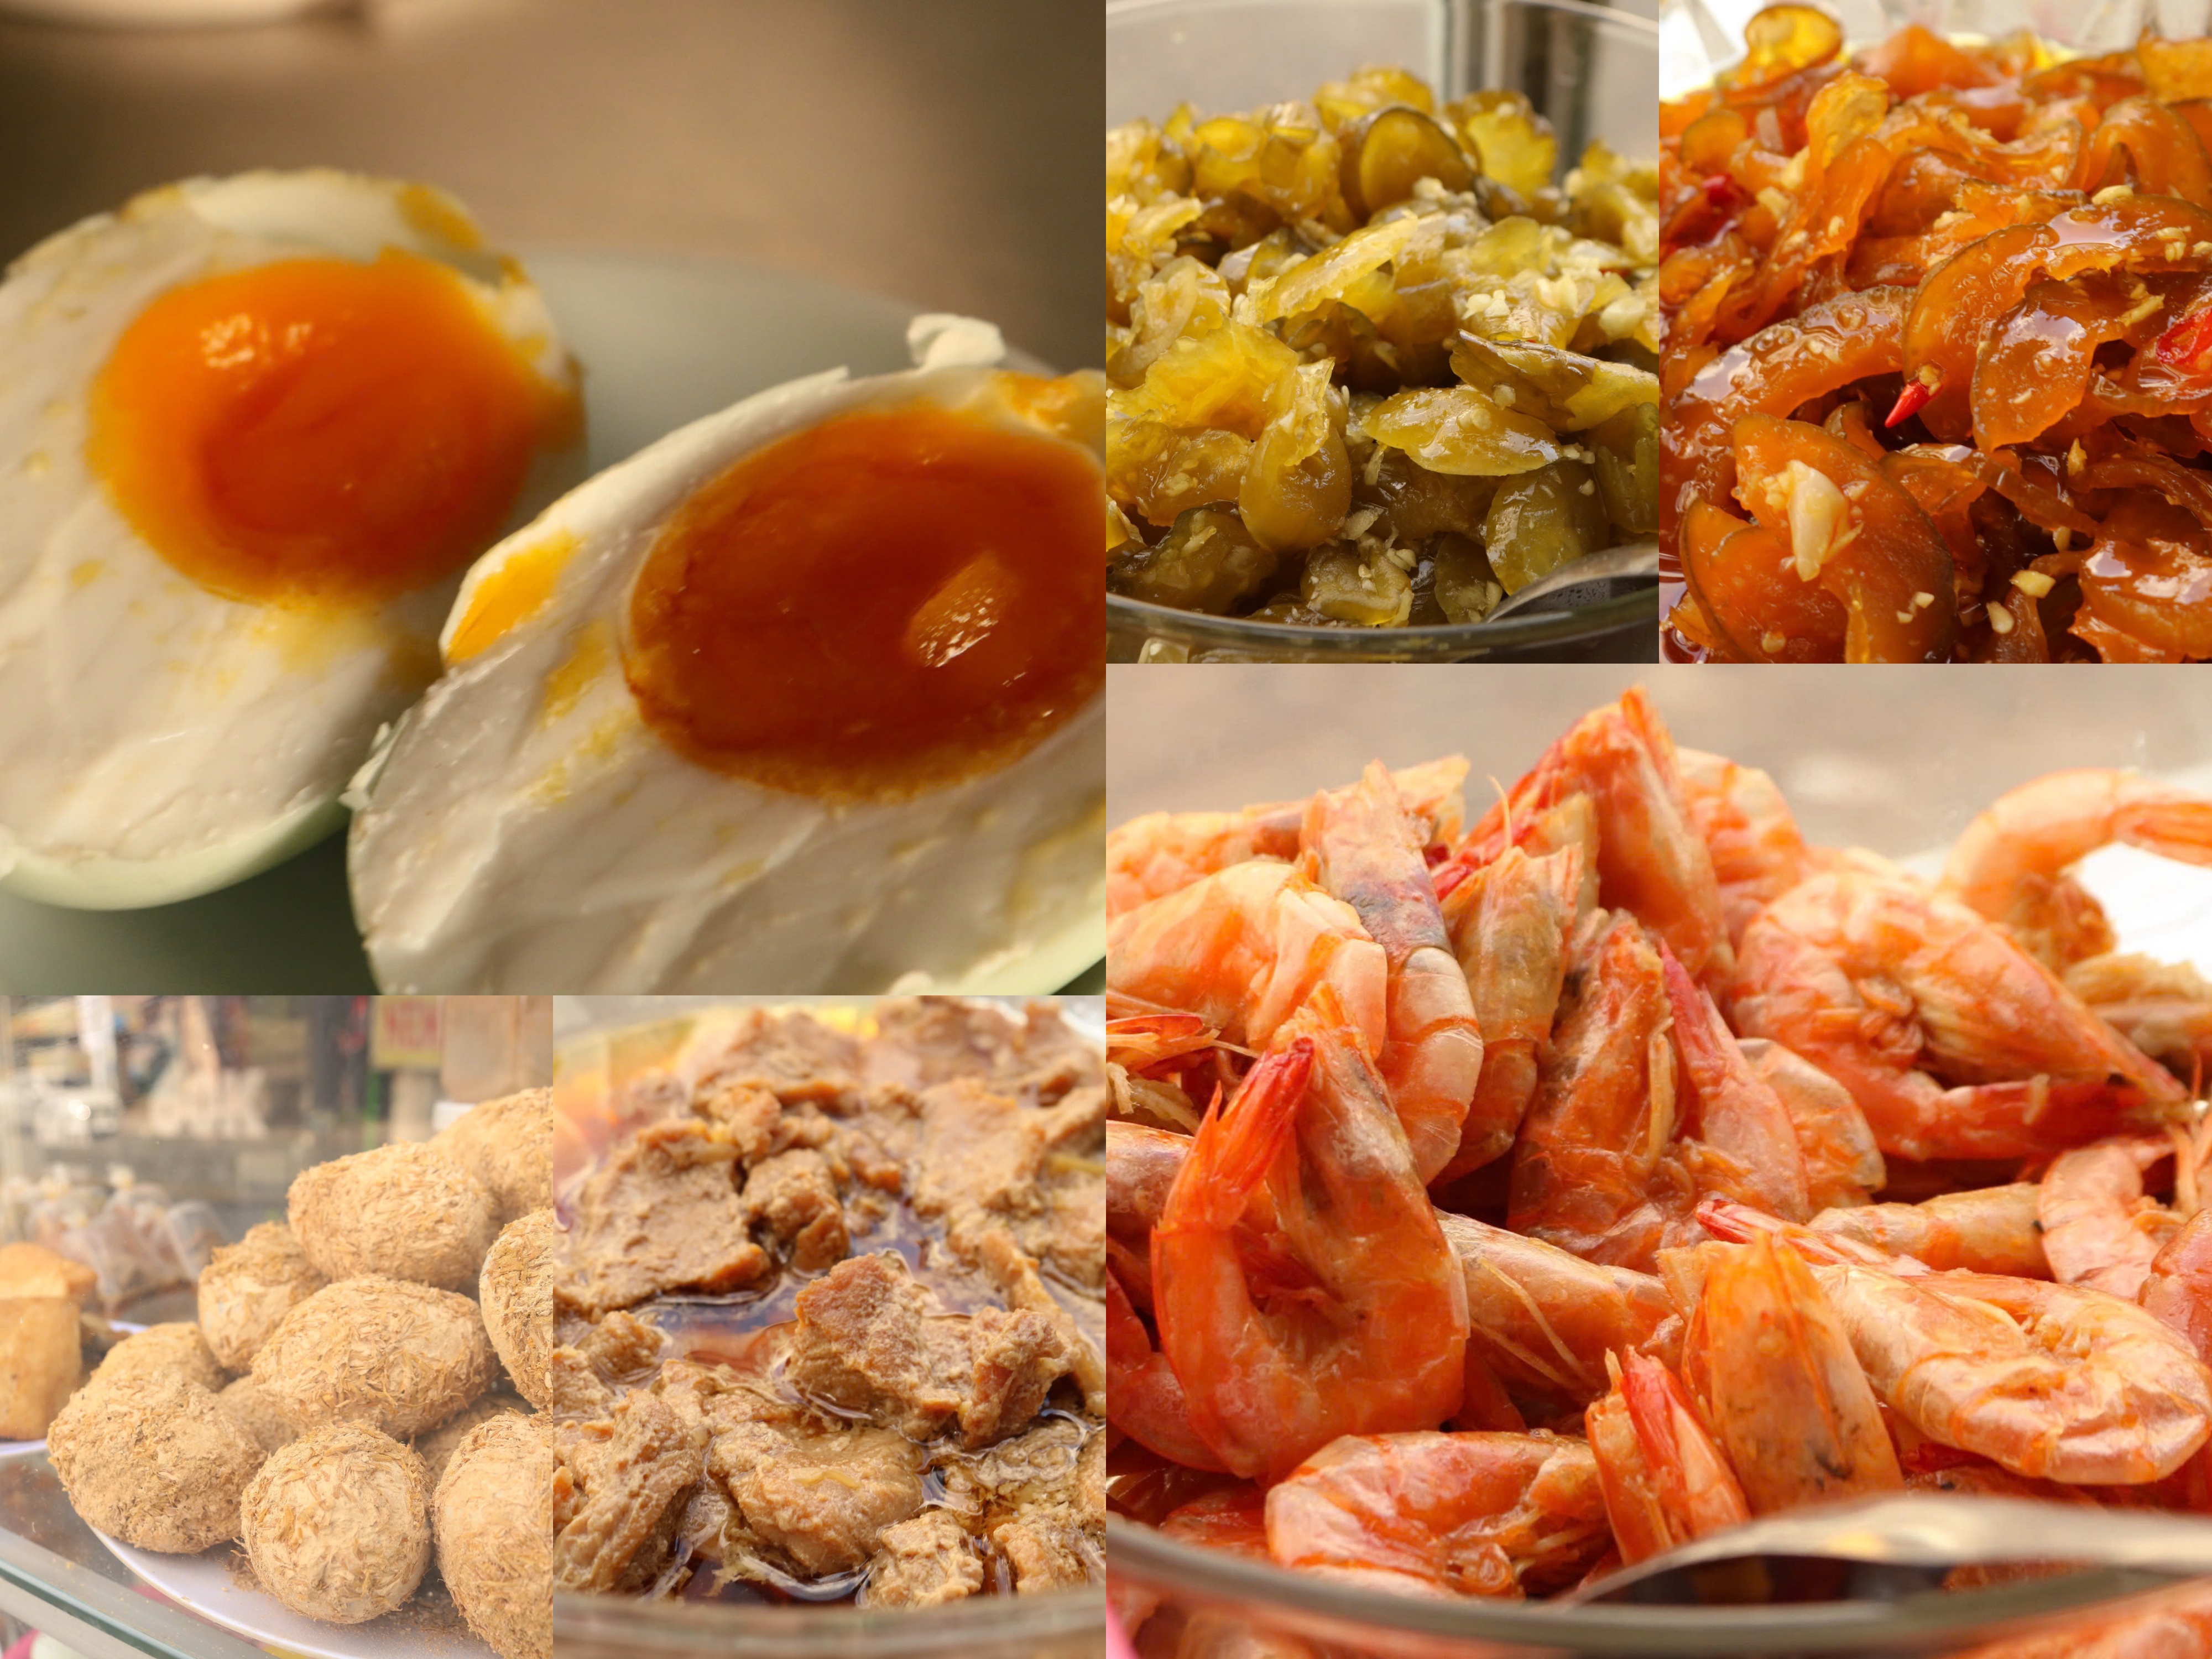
(1748, 1173)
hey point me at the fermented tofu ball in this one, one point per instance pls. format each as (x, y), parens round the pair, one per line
(436, 1448)
(507, 1145)
(249, 1287)
(154, 1461)
(494, 1518)
(400, 1358)
(405, 1211)
(245, 1400)
(516, 1294)
(178, 1348)
(41, 1361)
(337, 1524)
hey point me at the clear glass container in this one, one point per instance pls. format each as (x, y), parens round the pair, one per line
(1701, 37)
(1898, 762)
(596, 1037)
(1589, 69)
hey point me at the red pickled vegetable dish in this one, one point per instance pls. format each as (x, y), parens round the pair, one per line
(1937, 381)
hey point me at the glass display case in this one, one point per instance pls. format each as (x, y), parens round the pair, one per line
(137, 1134)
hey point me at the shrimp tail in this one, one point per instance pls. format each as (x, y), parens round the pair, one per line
(1237, 1146)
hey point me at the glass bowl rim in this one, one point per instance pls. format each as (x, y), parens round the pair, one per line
(1621, 1629)
(1601, 16)
(1538, 627)
(623, 1623)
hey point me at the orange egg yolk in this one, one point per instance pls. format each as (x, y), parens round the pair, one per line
(320, 431)
(886, 602)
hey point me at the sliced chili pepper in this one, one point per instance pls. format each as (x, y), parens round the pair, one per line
(1910, 401)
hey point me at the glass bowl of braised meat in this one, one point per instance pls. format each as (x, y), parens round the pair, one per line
(1938, 371)
(1381, 327)
(828, 1373)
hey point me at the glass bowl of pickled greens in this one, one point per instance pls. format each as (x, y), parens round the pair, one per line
(1382, 326)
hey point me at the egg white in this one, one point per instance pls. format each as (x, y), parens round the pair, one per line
(524, 830)
(156, 740)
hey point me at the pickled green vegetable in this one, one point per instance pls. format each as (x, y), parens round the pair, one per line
(1541, 520)
(1208, 562)
(1462, 429)
(1627, 449)
(1467, 589)
(1354, 586)
(1390, 151)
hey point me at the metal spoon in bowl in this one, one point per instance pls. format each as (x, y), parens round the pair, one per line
(1885, 1548)
(1586, 581)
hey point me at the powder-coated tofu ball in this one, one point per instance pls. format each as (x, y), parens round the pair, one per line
(337, 1524)
(405, 1211)
(176, 1349)
(494, 1517)
(507, 1145)
(249, 1287)
(400, 1358)
(516, 1294)
(155, 1460)
(436, 1448)
(245, 1400)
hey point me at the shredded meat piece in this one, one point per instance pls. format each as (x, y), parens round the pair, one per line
(661, 1215)
(747, 1114)
(618, 1492)
(621, 1346)
(792, 1056)
(1017, 1277)
(985, 1162)
(1017, 1358)
(922, 1562)
(1051, 1483)
(717, 1399)
(821, 1499)
(794, 1195)
(573, 1387)
(583, 1376)
(870, 1340)
(928, 1041)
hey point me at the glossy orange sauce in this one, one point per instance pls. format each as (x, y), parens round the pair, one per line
(320, 431)
(886, 602)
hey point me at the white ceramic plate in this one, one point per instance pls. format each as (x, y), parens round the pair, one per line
(663, 341)
(205, 1583)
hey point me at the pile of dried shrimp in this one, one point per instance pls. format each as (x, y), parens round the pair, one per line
(1491, 1207)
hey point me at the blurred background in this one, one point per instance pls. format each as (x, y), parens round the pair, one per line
(137, 1133)
(928, 152)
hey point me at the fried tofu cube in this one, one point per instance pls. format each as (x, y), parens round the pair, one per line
(39, 1362)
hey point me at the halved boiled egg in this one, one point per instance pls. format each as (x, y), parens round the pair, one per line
(253, 431)
(806, 696)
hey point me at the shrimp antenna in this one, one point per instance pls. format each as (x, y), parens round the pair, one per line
(1505, 805)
